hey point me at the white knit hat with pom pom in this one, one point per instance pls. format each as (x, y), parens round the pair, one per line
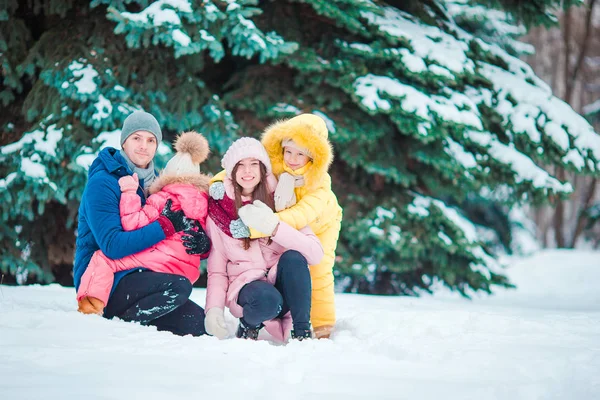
(192, 149)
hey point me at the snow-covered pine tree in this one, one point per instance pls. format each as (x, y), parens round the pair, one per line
(421, 112)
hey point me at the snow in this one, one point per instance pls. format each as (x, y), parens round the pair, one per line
(159, 14)
(457, 151)
(180, 37)
(458, 108)
(32, 167)
(537, 342)
(286, 108)
(501, 26)
(254, 36)
(43, 141)
(524, 167)
(103, 108)
(86, 74)
(428, 42)
(206, 36)
(7, 180)
(532, 98)
(420, 207)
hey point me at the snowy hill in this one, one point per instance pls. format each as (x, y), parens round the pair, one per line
(541, 341)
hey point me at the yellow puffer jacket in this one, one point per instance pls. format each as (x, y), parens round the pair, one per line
(316, 206)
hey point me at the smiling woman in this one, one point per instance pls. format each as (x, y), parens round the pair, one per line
(264, 282)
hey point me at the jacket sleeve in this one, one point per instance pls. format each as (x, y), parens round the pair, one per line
(102, 211)
(218, 281)
(303, 241)
(134, 216)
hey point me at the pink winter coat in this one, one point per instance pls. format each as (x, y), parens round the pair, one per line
(169, 255)
(230, 267)
(187, 193)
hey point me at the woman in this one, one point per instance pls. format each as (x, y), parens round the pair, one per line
(266, 281)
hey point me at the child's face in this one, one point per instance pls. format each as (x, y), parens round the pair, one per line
(248, 174)
(294, 158)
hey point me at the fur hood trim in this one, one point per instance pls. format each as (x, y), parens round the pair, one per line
(200, 181)
(308, 131)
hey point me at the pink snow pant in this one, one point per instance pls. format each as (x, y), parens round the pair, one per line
(98, 278)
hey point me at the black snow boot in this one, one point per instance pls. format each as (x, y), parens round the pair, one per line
(244, 332)
(301, 334)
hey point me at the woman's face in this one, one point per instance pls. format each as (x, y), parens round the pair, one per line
(248, 175)
(294, 158)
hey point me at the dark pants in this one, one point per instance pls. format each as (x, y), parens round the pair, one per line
(157, 299)
(262, 301)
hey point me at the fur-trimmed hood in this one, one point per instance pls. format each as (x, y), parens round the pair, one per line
(308, 131)
(199, 181)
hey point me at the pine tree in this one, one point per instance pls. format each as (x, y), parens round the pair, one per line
(422, 115)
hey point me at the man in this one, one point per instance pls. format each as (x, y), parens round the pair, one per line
(139, 295)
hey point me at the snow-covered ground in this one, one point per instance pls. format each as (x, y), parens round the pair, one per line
(541, 341)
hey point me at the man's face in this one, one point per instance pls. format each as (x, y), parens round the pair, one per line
(140, 147)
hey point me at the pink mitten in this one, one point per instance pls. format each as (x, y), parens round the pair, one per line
(129, 183)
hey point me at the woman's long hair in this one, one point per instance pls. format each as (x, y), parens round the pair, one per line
(261, 192)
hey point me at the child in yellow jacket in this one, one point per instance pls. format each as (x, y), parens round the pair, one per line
(300, 155)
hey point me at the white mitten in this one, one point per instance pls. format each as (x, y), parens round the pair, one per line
(259, 216)
(284, 193)
(217, 190)
(214, 323)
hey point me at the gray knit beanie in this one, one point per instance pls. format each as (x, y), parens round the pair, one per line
(140, 121)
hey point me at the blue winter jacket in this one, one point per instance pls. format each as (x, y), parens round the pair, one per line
(99, 226)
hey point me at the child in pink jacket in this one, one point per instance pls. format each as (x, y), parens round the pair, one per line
(264, 282)
(180, 186)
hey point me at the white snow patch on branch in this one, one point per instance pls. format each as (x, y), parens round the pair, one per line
(103, 108)
(4, 183)
(43, 141)
(181, 37)
(458, 152)
(428, 42)
(86, 73)
(160, 15)
(414, 101)
(524, 167)
(532, 98)
(286, 108)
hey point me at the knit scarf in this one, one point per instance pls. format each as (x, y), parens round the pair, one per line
(145, 175)
(225, 216)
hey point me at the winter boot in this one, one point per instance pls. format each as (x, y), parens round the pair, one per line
(323, 332)
(301, 334)
(244, 332)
